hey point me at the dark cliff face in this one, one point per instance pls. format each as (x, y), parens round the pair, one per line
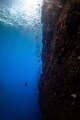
(50, 15)
(60, 80)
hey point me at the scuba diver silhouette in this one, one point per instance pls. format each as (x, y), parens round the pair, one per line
(26, 84)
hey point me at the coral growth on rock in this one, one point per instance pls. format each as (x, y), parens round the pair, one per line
(60, 81)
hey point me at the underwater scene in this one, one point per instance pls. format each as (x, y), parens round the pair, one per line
(20, 59)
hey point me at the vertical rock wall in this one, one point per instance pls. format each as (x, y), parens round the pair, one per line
(60, 80)
(50, 14)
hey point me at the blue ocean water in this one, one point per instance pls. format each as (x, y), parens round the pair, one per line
(20, 65)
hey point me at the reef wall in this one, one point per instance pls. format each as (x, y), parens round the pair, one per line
(59, 90)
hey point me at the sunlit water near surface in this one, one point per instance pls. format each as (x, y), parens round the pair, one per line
(20, 59)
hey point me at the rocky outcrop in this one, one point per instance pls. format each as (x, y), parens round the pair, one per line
(60, 80)
(50, 14)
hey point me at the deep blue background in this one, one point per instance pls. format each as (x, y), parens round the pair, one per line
(19, 63)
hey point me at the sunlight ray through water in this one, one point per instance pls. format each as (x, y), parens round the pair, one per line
(25, 13)
(20, 59)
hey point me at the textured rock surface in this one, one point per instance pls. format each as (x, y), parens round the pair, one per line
(60, 81)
